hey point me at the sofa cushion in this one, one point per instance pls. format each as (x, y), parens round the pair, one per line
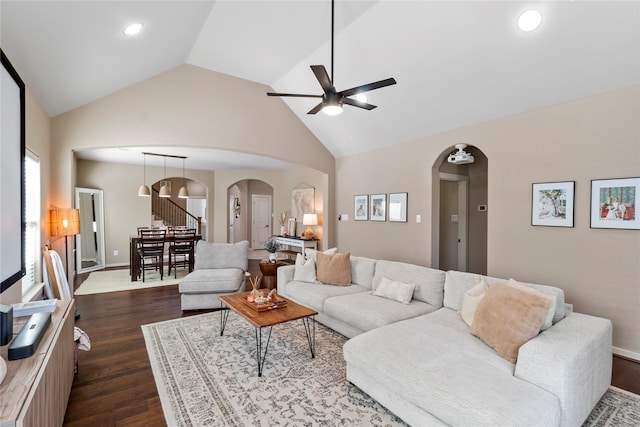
(314, 295)
(429, 282)
(366, 311)
(305, 270)
(456, 284)
(449, 373)
(394, 290)
(222, 255)
(334, 269)
(471, 300)
(362, 271)
(507, 317)
(217, 280)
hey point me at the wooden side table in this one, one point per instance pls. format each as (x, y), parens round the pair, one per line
(269, 272)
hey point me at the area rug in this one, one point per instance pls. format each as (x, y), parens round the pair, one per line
(204, 379)
(100, 282)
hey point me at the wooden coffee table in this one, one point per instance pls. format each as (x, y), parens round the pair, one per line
(268, 319)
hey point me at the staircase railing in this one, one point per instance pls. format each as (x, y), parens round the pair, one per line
(165, 209)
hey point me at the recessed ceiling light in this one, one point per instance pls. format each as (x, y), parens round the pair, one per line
(529, 20)
(133, 29)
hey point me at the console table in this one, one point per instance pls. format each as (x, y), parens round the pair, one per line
(296, 242)
(36, 390)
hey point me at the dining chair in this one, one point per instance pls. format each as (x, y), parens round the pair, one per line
(151, 250)
(181, 249)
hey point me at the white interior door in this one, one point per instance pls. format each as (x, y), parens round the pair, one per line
(261, 220)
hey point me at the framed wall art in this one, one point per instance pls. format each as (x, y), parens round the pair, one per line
(398, 207)
(302, 201)
(552, 204)
(378, 210)
(361, 207)
(613, 203)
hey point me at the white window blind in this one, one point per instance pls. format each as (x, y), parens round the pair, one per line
(32, 217)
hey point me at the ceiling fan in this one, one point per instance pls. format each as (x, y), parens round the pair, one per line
(332, 100)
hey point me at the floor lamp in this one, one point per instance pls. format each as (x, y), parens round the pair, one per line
(65, 222)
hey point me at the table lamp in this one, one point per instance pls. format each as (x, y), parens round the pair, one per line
(309, 220)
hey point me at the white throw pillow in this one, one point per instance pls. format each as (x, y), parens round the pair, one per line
(397, 291)
(548, 319)
(305, 270)
(311, 253)
(470, 301)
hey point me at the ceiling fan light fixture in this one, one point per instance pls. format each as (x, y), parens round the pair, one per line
(529, 20)
(132, 29)
(361, 97)
(332, 109)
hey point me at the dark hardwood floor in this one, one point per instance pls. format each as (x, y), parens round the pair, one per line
(114, 385)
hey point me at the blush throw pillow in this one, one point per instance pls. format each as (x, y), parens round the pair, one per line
(507, 317)
(470, 301)
(394, 290)
(548, 319)
(334, 269)
(305, 270)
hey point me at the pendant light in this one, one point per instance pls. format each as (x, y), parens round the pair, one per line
(144, 191)
(184, 192)
(164, 189)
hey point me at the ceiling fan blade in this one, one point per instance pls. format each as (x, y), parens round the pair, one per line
(315, 109)
(358, 104)
(299, 95)
(323, 78)
(368, 87)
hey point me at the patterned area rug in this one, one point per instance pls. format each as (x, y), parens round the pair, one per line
(204, 379)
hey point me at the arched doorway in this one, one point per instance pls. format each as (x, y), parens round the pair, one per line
(250, 212)
(460, 213)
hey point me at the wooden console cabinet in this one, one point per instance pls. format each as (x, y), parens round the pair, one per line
(36, 390)
(295, 242)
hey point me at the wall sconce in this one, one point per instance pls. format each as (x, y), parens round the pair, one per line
(236, 207)
(65, 222)
(309, 220)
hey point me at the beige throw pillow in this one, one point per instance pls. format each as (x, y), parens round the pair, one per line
(507, 317)
(334, 269)
(305, 270)
(470, 301)
(548, 319)
(394, 290)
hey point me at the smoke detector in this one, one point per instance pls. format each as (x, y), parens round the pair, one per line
(460, 157)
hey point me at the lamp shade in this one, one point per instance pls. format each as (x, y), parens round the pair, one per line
(310, 219)
(144, 191)
(183, 193)
(64, 222)
(164, 191)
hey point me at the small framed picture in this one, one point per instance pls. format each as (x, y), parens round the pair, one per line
(398, 207)
(613, 203)
(378, 207)
(552, 204)
(361, 207)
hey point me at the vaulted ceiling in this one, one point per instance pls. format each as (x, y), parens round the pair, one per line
(456, 62)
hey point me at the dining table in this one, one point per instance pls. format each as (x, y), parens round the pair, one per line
(134, 256)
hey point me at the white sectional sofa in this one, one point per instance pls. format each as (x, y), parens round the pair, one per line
(421, 361)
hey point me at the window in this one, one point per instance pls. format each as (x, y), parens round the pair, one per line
(32, 219)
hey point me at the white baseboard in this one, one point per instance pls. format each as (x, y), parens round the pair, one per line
(118, 264)
(626, 353)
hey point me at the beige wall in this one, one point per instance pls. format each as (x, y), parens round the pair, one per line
(124, 211)
(590, 138)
